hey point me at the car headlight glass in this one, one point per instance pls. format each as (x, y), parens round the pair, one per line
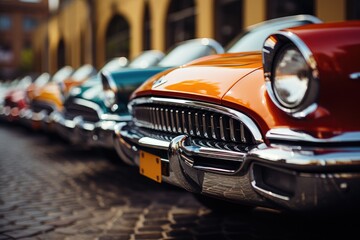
(109, 98)
(291, 77)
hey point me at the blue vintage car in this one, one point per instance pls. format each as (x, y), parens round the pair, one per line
(93, 109)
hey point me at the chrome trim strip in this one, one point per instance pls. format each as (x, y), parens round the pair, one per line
(222, 154)
(285, 134)
(253, 184)
(250, 124)
(154, 143)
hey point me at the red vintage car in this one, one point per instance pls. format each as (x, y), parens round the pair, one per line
(275, 128)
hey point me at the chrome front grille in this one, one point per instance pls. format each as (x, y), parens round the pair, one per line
(200, 123)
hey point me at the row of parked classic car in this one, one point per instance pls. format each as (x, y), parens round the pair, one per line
(271, 120)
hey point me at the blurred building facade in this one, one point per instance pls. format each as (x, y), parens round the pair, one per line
(18, 20)
(94, 31)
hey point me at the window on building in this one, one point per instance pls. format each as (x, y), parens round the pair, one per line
(5, 22)
(180, 22)
(29, 23)
(6, 53)
(352, 9)
(228, 20)
(282, 8)
(61, 54)
(26, 57)
(147, 28)
(117, 38)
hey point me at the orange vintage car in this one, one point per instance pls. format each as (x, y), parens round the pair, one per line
(51, 96)
(277, 128)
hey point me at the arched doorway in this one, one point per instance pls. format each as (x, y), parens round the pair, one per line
(61, 54)
(147, 28)
(228, 20)
(117, 38)
(180, 24)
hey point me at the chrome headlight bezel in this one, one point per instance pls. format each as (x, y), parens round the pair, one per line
(110, 90)
(274, 47)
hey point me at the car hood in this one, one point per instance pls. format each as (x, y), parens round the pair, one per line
(209, 79)
(51, 94)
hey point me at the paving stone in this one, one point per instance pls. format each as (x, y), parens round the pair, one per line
(23, 233)
(156, 222)
(61, 222)
(113, 237)
(141, 236)
(10, 228)
(4, 237)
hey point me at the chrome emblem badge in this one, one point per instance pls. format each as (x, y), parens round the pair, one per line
(160, 81)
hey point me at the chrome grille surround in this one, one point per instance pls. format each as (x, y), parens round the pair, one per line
(196, 119)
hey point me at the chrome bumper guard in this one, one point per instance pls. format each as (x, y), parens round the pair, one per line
(78, 131)
(274, 176)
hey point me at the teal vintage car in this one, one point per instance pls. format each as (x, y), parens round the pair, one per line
(76, 122)
(92, 110)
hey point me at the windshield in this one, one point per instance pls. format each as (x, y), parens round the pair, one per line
(115, 63)
(146, 59)
(62, 74)
(253, 39)
(42, 79)
(83, 72)
(185, 53)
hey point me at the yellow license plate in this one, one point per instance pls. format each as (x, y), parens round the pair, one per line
(150, 166)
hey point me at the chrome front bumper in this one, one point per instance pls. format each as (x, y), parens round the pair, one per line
(77, 131)
(276, 176)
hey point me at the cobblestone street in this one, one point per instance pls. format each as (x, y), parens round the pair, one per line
(51, 190)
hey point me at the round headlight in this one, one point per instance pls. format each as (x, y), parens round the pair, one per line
(291, 78)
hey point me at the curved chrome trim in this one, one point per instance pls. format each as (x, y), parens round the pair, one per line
(269, 51)
(89, 104)
(203, 106)
(304, 159)
(210, 152)
(154, 143)
(269, 193)
(108, 84)
(285, 134)
(115, 117)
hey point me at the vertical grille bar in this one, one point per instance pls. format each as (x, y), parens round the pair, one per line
(184, 125)
(197, 125)
(232, 133)
(178, 125)
(172, 118)
(205, 124)
(167, 120)
(213, 127)
(153, 112)
(191, 123)
(222, 128)
(162, 119)
(242, 133)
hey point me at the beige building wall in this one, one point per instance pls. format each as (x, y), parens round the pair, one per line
(328, 11)
(254, 12)
(73, 25)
